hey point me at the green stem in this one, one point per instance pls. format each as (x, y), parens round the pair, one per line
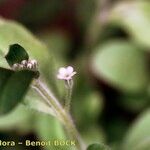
(69, 86)
(64, 117)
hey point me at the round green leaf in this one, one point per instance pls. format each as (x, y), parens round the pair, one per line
(138, 136)
(134, 18)
(122, 65)
(97, 147)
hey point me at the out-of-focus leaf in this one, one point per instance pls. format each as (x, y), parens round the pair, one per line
(87, 108)
(16, 54)
(122, 65)
(49, 128)
(56, 41)
(149, 91)
(134, 18)
(3, 62)
(87, 103)
(97, 147)
(138, 136)
(20, 119)
(115, 127)
(93, 134)
(36, 49)
(33, 101)
(134, 103)
(14, 89)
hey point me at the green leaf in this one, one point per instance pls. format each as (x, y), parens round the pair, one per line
(13, 32)
(138, 136)
(16, 54)
(35, 102)
(57, 41)
(122, 65)
(49, 128)
(14, 89)
(89, 104)
(93, 134)
(134, 103)
(134, 18)
(98, 147)
(5, 74)
(21, 119)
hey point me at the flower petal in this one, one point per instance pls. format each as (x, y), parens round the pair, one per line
(60, 77)
(73, 73)
(68, 78)
(69, 69)
(62, 71)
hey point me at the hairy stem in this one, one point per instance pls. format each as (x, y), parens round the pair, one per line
(69, 87)
(64, 117)
(68, 100)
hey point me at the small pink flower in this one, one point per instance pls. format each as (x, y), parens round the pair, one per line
(66, 73)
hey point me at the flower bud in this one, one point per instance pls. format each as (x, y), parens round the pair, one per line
(21, 66)
(29, 65)
(34, 63)
(15, 66)
(24, 62)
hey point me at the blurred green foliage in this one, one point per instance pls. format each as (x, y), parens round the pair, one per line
(137, 137)
(108, 43)
(97, 147)
(113, 61)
